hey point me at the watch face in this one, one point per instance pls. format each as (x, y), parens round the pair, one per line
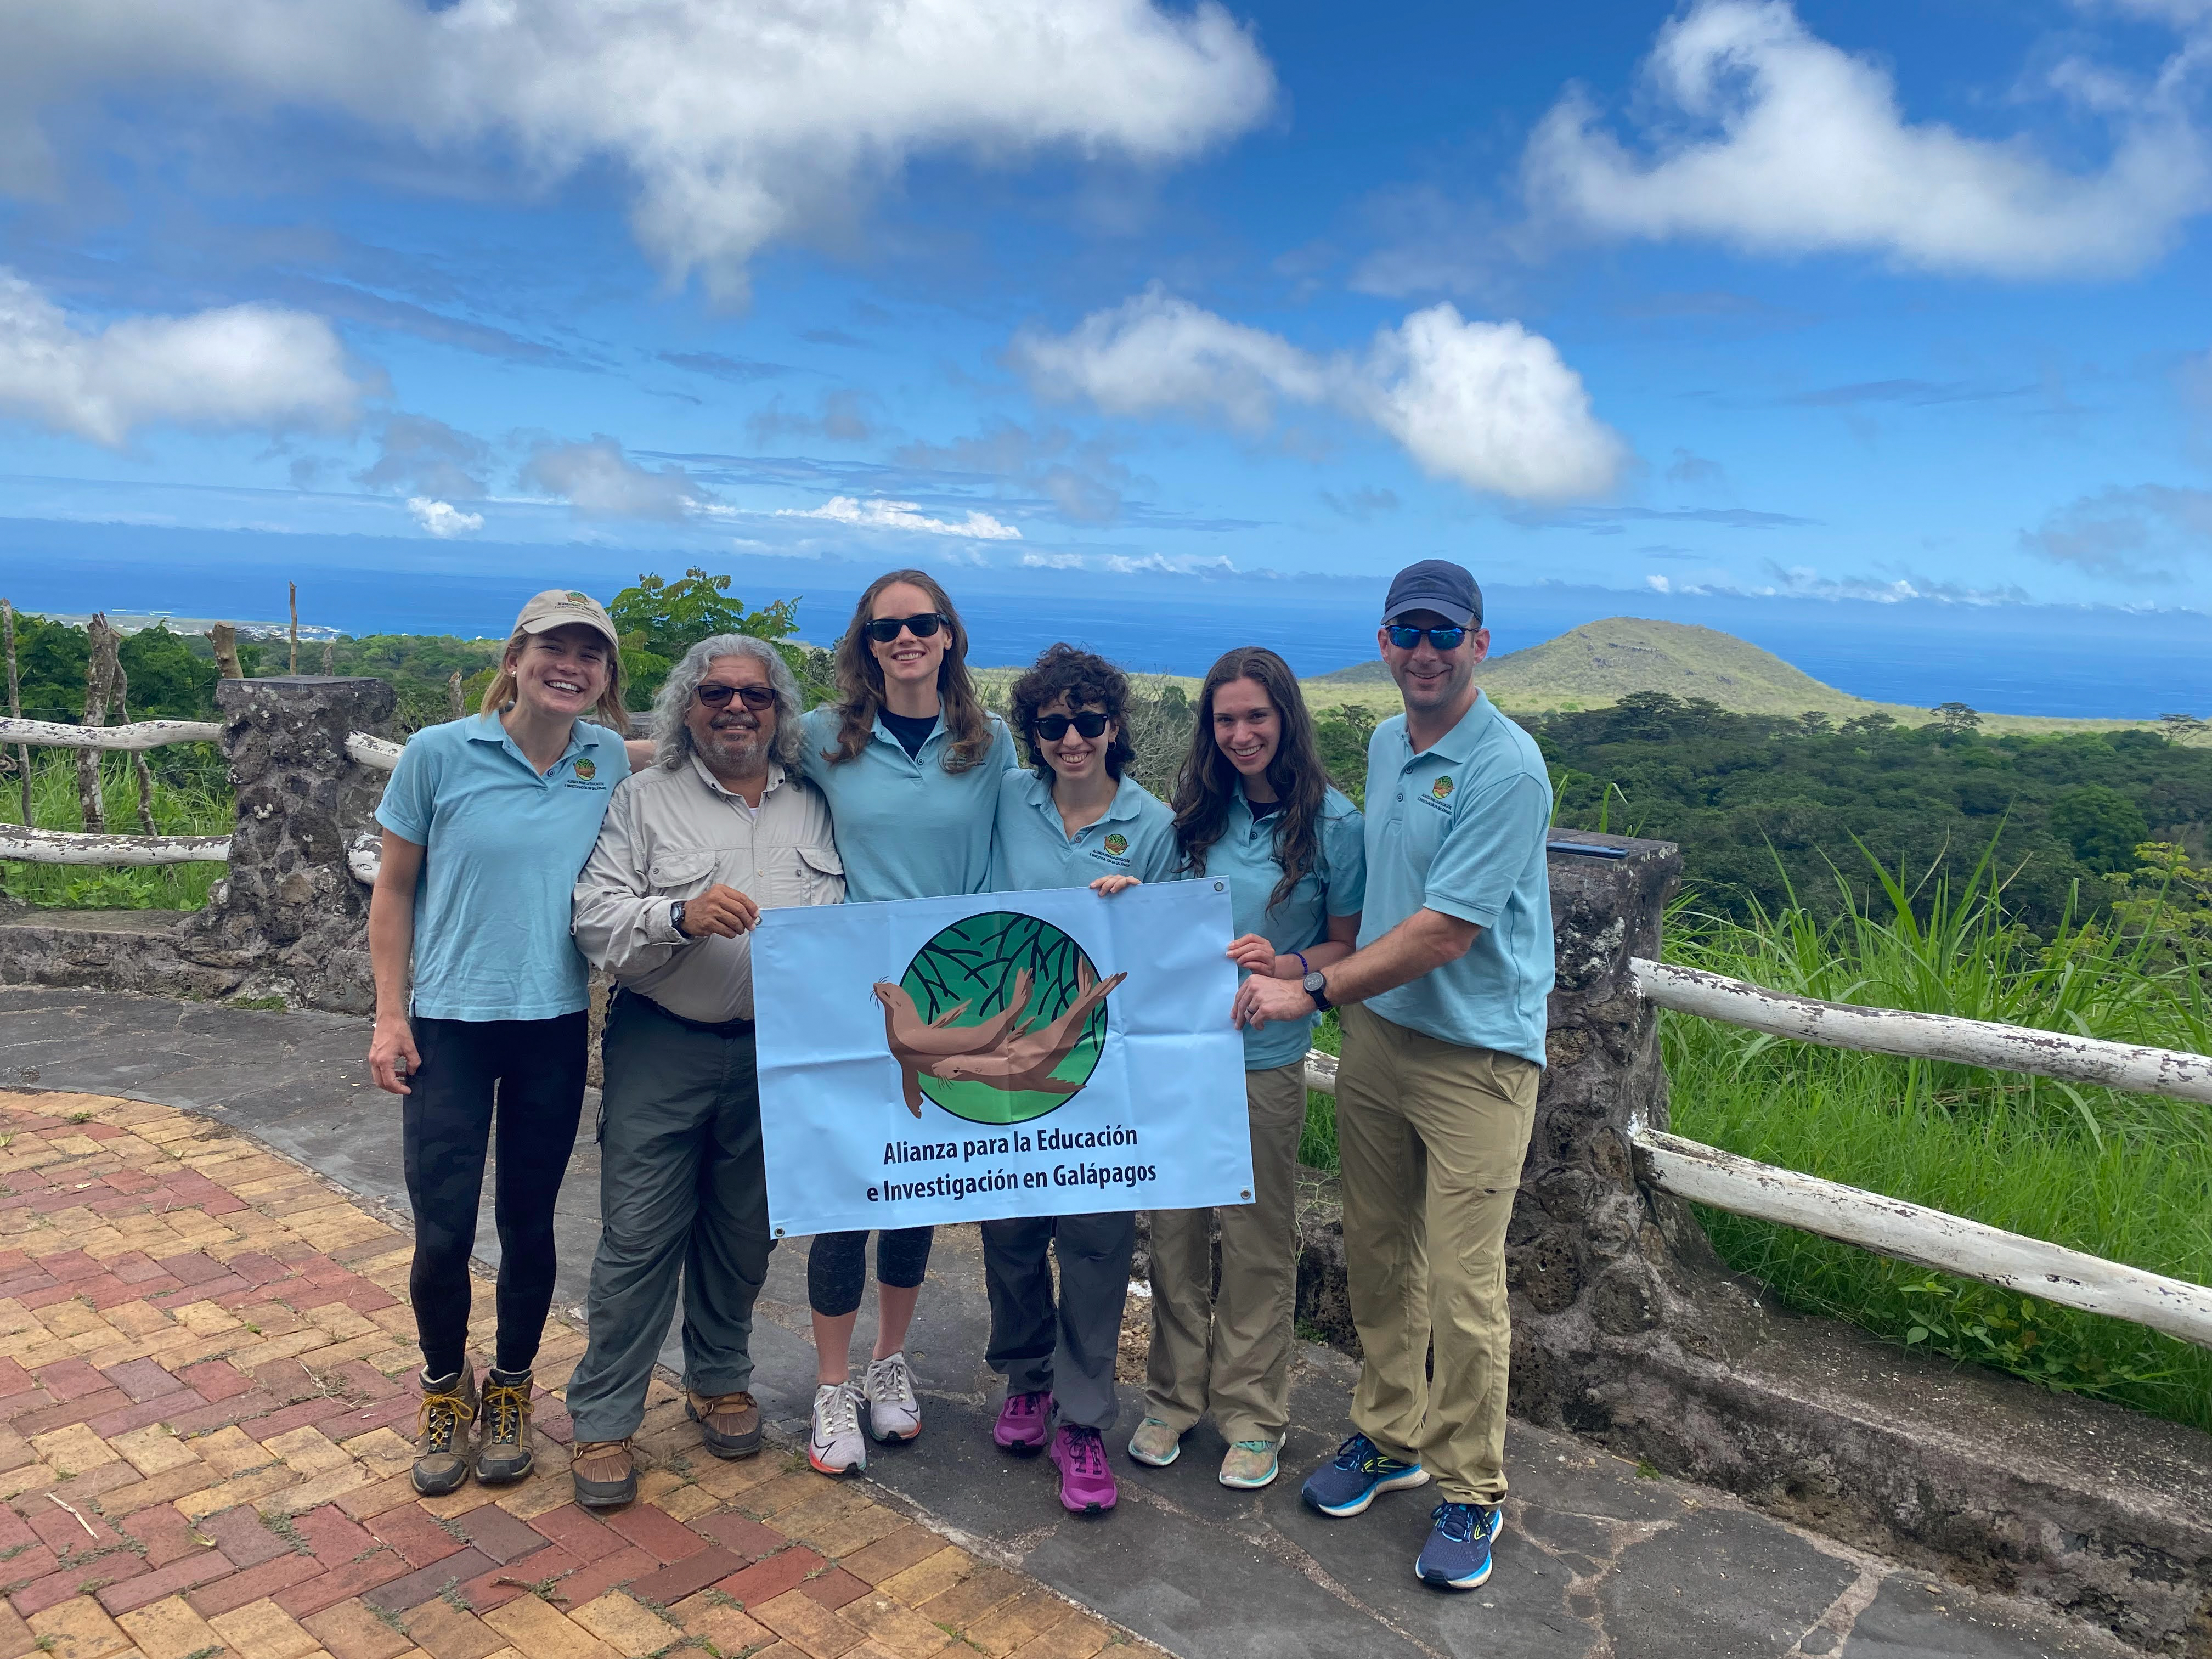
(1314, 981)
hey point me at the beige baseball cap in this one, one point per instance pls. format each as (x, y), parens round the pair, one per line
(563, 607)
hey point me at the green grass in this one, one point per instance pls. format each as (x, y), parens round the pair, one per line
(2127, 1177)
(192, 797)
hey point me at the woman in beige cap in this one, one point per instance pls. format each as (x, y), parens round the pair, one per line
(481, 999)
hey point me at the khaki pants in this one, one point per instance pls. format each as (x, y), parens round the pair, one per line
(1432, 1137)
(1231, 1353)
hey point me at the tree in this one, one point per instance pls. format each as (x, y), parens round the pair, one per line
(2180, 727)
(2102, 825)
(1341, 736)
(659, 621)
(1956, 717)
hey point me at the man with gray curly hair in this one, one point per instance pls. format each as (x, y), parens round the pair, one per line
(720, 827)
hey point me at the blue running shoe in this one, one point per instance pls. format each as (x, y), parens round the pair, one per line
(1457, 1554)
(1347, 1485)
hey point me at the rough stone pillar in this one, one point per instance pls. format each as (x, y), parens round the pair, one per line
(1588, 1257)
(288, 912)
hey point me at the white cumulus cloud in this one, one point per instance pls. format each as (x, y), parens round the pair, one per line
(443, 518)
(249, 365)
(600, 482)
(733, 125)
(1489, 406)
(881, 515)
(1758, 134)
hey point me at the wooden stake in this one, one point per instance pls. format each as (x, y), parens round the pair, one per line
(137, 755)
(295, 668)
(98, 680)
(15, 708)
(224, 638)
(454, 704)
(330, 658)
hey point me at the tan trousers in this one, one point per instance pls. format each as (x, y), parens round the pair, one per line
(1432, 1137)
(1231, 1353)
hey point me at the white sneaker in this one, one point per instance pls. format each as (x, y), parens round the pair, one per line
(893, 1413)
(835, 1447)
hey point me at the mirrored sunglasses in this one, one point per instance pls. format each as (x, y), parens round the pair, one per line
(1444, 639)
(1053, 727)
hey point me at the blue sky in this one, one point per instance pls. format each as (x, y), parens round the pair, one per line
(1868, 300)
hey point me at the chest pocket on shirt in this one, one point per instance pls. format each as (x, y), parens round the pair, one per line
(684, 873)
(800, 875)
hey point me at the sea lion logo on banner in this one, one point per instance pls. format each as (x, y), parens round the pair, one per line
(1000, 1018)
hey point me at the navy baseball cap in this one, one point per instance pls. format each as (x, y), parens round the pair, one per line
(1437, 584)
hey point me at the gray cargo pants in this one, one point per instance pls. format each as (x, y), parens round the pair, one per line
(1068, 1346)
(681, 1192)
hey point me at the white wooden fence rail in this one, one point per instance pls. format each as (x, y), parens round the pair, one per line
(139, 734)
(1930, 1237)
(1927, 1036)
(74, 847)
(375, 752)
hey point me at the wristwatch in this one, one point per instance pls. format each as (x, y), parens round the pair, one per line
(676, 918)
(1317, 986)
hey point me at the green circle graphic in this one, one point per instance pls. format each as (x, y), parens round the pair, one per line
(978, 960)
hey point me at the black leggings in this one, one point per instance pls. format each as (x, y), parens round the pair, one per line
(837, 1264)
(534, 1070)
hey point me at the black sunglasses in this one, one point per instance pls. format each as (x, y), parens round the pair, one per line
(1444, 639)
(884, 629)
(1053, 727)
(758, 698)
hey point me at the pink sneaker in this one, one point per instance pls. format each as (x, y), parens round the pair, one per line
(1087, 1485)
(1024, 1422)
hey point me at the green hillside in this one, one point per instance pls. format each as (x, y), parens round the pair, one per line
(1596, 665)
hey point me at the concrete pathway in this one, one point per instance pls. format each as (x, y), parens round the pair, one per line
(1596, 1559)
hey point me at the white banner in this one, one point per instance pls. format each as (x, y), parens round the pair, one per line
(999, 1054)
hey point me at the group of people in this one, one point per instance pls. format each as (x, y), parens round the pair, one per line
(531, 843)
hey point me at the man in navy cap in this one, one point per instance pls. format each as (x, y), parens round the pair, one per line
(1443, 1012)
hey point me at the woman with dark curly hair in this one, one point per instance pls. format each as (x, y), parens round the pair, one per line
(1253, 805)
(910, 760)
(1077, 821)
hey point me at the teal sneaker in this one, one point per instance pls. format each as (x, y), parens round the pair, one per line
(1250, 1465)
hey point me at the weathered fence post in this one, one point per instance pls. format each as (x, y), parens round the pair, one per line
(290, 912)
(100, 669)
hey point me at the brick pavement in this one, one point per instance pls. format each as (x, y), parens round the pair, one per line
(206, 1422)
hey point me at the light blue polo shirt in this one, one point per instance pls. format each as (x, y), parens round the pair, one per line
(1336, 886)
(1031, 850)
(1460, 828)
(503, 848)
(907, 827)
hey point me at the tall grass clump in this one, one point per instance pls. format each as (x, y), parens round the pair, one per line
(192, 797)
(2127, 1177)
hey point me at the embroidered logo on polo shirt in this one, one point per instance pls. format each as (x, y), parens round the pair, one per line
(1442, 787)
(1117, 843)
(587, 770)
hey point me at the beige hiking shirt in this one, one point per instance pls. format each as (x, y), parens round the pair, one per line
(671, 835)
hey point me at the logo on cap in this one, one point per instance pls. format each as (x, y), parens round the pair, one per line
(1117, 843)
(1442, 787)
(580, 599)
(587, 770)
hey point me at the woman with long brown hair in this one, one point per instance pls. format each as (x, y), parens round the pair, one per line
(1253, 805)
(910, 760)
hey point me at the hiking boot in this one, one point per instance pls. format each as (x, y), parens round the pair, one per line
(1156, 1442)
(1250, 1464)
(605, 1473)
(1087, 1485)
(730, 1424)
(504, 1454)
(894, 1411)
(834, 1443)
(441, 1432)
(1457, 1555)
(1024, 1423)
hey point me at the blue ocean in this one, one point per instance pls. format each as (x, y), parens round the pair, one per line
(2024, 660)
